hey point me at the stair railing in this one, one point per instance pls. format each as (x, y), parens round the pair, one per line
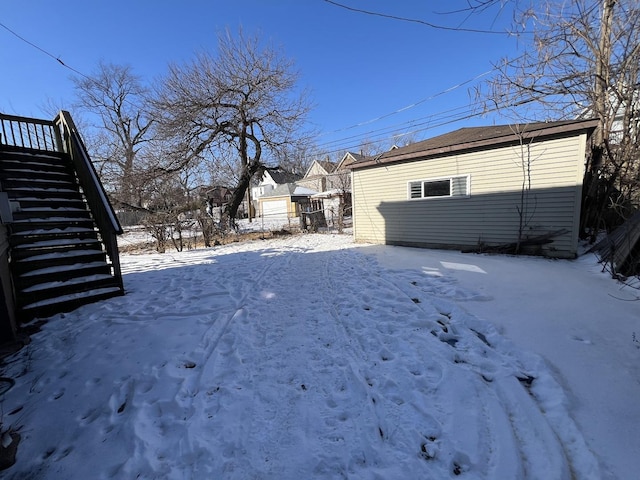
(103, 213)
(31, 133)
(61, 135)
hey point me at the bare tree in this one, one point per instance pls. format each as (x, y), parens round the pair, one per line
(341, 182)
(296, 158)
(245, 98)
(115, 98)
(583, 61)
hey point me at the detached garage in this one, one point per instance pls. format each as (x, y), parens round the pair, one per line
(283, 202)
(477, 188)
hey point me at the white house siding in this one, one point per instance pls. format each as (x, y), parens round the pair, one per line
(383, 213)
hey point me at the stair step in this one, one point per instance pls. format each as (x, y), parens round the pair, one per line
(66, 303)
(30, 157)
(55, 248)
(35, 164)
(60, 273)
(35, 202)
(57, 259)
(26, 174)
(33, 184)
(45, 213)
(52, 290)
(25, 237)
(16, 192)
(50, 224)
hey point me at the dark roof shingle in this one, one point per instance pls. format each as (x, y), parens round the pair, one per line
(479, 138)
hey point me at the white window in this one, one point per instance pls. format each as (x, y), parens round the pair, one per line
(457, 186)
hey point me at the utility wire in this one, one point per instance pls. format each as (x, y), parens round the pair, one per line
(389, 130)
(383, 132)
(444, 122)
(413, 20)
(57, 59)
(375, 133)
(443, 92)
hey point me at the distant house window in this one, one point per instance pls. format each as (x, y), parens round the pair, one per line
(457, 186)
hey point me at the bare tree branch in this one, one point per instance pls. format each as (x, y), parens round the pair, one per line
(244, 99)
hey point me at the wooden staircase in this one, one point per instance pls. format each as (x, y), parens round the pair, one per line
(59, 255)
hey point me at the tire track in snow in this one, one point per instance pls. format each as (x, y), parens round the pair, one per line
(264, 421)
(366, 363)
(374, 342)
(217, 352)
(502, 440)
(166, 422)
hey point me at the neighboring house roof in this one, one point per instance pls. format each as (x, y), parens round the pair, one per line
(325, 167)
(319, 169)
(329, 194)
(480, 138)
(281, 176)
(289, 190)
(217, 192)
(350, 158)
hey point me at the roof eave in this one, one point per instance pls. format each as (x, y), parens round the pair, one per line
(588, 126)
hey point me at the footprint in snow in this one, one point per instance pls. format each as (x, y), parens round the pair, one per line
(121, 398)
(581, 340)
(57, 394)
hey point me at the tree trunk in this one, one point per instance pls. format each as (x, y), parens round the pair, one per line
(231, 209)
(603, 72)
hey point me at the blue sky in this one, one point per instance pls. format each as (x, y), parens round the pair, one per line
(362, 70)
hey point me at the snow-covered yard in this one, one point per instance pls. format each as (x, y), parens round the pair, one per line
(310, 357)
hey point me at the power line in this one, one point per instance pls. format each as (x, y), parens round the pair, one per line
(428, 125)
(424, 127)
(57, 59)
(415, 104)
(389, 130)
(385, 131)
(413, 20)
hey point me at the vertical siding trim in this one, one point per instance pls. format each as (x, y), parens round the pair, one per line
(581, 159)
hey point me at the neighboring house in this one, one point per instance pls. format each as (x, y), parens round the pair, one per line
(271, 179)
(217, 196)
(477, 188)
(336, 192)
(214, 199)
(626, 113)
(316, 176)
(284, 202)
(340, 178)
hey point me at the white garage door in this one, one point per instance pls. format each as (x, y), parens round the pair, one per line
(274, 209)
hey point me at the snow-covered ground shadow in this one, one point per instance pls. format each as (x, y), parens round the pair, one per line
(285, 359)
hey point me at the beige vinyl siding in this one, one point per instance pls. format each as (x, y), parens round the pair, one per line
(383, 212)
(316, 169)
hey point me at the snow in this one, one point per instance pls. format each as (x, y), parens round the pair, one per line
(304, 191)
(54, 255)
(61, 268)
(57, 242)
(308, 356)
(73, 281)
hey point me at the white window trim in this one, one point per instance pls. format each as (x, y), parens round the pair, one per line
(437, 179)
